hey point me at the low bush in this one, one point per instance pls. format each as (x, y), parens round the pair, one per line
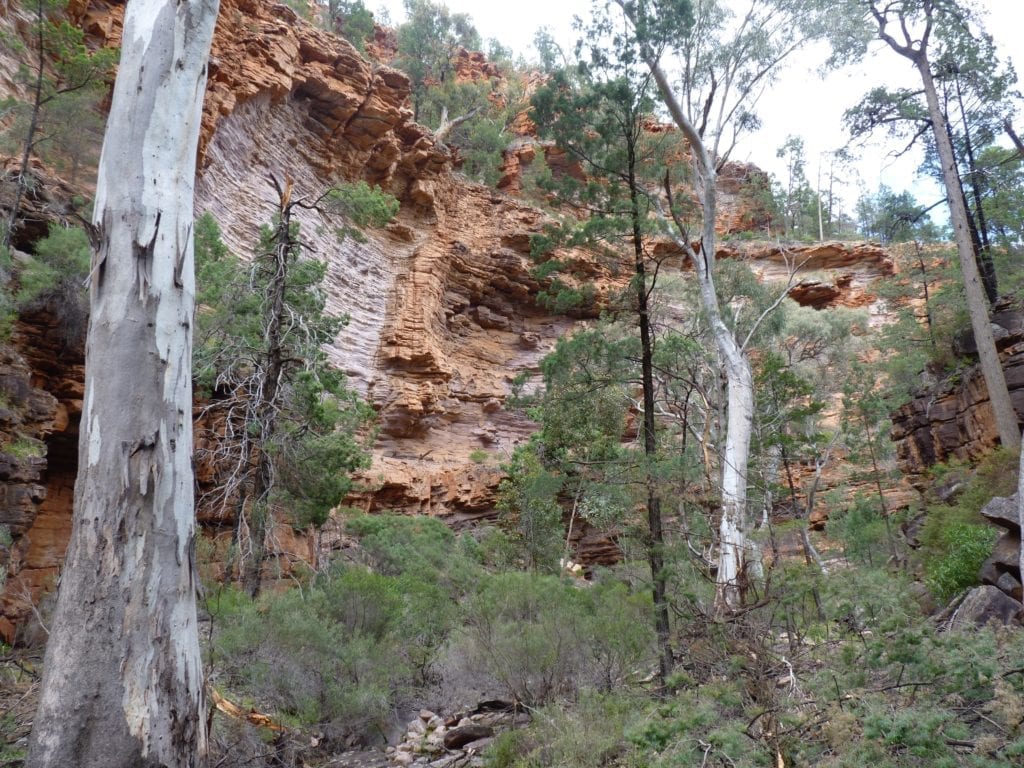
(955, 538)
(340, 654)
(589, 733)
(540, 638)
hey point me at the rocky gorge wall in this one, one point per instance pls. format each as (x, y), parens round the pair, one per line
(953, 418)
(442, 303)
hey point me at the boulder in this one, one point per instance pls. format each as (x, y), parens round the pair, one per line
(1002, 511)
(1011, 586)
(462, 735)
(984, 604)
(1006, 554)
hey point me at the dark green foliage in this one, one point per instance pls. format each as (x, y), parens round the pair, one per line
(307, 423)
(54, 278)
(359, 640)
(482, 143)
(586, 734)
(60, 120)
(892, 217)
(428, 42)
(343, 650)
(966, 547)
(541, 638)
(1001, 177)
(583, 409)
(58, 267)
(315, 460)
(349, 18)
(875, 684)
(419, 548)
(955, 538)
(862, 530)
(469, 116)
(334, 654)
(362, 206)
(528, 502)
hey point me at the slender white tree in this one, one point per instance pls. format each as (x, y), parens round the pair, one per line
(122, 683)
(723, 68)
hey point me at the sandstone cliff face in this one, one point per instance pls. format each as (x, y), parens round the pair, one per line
(41, 390)
(954, 419)
(442, 304)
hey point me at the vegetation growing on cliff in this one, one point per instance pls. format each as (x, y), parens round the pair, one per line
(283, 429)
(59, 121)
(689, 425)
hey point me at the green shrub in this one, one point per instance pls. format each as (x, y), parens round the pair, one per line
(342, 653)
(351, 19)
(591, 732)
(862, 530)
(528, 503)
(418, 547)
(955, 538)
(965, 549)
(521, 631)
(540, 637)
(54, 278)
(24, 448)
(616, 634)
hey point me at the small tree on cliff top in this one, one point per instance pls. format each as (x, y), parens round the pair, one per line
(65, 82)
(349, 18)
(428, 43)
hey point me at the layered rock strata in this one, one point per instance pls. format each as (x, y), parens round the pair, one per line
(442, 303)
(41, 391)
(953, 420)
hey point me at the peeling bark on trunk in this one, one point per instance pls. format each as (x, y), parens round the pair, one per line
(123, 678)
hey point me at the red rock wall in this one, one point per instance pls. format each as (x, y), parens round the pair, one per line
(44, 391)
(442, 303)
(954, 420)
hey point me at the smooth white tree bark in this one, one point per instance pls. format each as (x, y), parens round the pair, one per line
(734, 546)
(122, 682)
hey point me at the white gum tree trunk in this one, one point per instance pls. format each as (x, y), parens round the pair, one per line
(122, 683)
(735, 554)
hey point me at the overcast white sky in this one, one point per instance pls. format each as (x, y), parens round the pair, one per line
(801, 103)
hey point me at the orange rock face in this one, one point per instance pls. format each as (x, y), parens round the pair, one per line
(42, 390)
(442, 303)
